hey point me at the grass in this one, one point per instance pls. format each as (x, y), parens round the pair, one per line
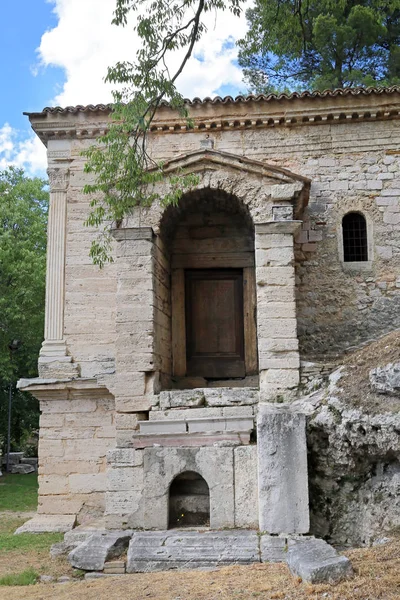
(27, 577)
(18, 496)
(18, 493)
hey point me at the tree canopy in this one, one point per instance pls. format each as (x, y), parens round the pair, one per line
(321, 44)
(23, 223)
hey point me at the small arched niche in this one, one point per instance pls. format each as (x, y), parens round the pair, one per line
(189, 501)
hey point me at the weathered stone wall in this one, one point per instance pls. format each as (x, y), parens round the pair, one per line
(75, 435)
(352, 165)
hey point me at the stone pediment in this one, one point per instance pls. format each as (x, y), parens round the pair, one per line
(214, 159)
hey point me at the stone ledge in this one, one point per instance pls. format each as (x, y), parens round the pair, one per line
(48, 524)
(187, 439)
(315, 561)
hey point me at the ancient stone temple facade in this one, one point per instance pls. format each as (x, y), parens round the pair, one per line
(168, 380)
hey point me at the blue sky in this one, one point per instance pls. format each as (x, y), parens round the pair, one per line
(57, 51)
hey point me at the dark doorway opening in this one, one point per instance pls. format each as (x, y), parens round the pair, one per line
(189, 501)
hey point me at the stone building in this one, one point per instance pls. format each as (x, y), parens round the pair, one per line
(155, 370)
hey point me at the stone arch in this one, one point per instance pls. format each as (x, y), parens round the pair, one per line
(207, 244)
(189, 501)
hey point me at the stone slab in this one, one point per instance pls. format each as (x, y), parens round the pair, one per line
(282, 470)
(273, 548)
(92, 554)
(21, 469)
(48, 524)
(315, 561)
(165, 550)
(189, 440)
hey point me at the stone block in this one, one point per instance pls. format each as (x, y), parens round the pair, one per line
(93, 553)
(273, 548)
(282, 470)
(315, 562)
(53, 484)
(125, 503)
(125, 479)
(129, 420)
(246, 487)
(184, 413)
(185, 398)
(87, 484)
(125, 457)
(220, 424)
(277, 328)
(157, 427)
(277, 310)
(131, 404)
(48, 524)
(22, 469)
(279, 360)
(283, 379)
(274, 257)
(277, 345)
(274, 276)
(273, 240)
(164, 550)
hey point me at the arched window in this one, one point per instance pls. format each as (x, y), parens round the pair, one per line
(355, 245)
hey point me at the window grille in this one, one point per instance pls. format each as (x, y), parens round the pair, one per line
(355, 247)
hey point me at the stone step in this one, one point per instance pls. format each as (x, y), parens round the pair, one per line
(198, 425)
(165, 550)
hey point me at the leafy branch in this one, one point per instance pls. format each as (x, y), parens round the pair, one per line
(124, 172)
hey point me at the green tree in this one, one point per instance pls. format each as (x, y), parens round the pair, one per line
(321, 44)
(23, 221)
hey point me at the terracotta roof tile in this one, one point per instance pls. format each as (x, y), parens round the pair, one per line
(349, 91)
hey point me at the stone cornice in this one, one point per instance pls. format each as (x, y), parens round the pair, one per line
(63, 389)
(247, 113)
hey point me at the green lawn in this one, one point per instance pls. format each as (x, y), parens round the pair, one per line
(18, 492)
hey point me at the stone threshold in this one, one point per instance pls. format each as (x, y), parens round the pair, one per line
(311, 559)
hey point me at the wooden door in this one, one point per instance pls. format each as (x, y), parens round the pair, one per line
(214, 323)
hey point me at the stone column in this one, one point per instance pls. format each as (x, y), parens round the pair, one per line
(278, 347)
(282, 470)
(53, 359)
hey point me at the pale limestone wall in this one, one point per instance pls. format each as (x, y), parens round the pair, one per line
(75, 435)
(350, 166)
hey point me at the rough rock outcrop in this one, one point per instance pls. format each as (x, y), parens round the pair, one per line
(354, 468)
(386, 380)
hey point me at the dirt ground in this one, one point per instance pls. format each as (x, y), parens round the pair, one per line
(377, 576)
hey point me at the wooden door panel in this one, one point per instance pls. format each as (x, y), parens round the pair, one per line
(214, 323)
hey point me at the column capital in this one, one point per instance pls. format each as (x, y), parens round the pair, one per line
(58, 178)
(271, 227)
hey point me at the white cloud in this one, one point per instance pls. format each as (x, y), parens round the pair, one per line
(84, 43)
(28, 153)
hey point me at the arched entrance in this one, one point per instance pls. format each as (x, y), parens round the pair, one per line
(189, 501)
(210, 241)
